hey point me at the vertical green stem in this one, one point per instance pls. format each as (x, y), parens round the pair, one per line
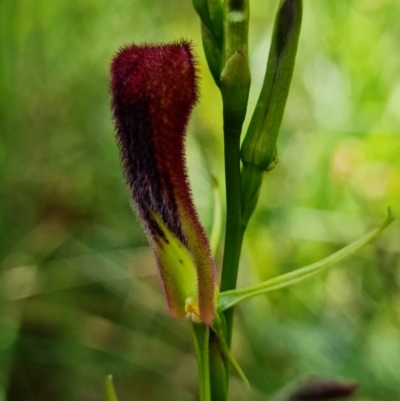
(234, 230)
(236, 27)
(201, 337)
(218, 372)
(235, 96)
(231, 72)
(235, 85)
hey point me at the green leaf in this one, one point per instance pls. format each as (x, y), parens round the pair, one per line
(230, 298)
(201, 335)
(110, 392)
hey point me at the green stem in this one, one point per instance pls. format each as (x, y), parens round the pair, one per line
(236, 27)
(233, 242)
(218, 371)
(234, 231)
(234, 84)
(201, 337)
(236, 19)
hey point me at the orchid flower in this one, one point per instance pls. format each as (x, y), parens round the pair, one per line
(154, 89)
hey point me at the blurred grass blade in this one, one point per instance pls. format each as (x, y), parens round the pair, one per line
(230, 298)
(216, 229)
(201, 335)
(110, 392)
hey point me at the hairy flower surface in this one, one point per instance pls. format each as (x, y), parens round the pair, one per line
(154, 89)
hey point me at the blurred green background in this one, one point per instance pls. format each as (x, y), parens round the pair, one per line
(79, 293)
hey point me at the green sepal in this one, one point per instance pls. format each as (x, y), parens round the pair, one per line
(109, 388)
(227, 299)
(235, 86)
(201, 335)
(259, 145)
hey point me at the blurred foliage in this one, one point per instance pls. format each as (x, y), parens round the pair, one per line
(79, 293)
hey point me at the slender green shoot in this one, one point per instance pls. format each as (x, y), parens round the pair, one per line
(110, 392)
(230, 298)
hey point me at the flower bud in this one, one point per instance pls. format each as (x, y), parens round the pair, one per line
(235, 86)
(259, 145)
